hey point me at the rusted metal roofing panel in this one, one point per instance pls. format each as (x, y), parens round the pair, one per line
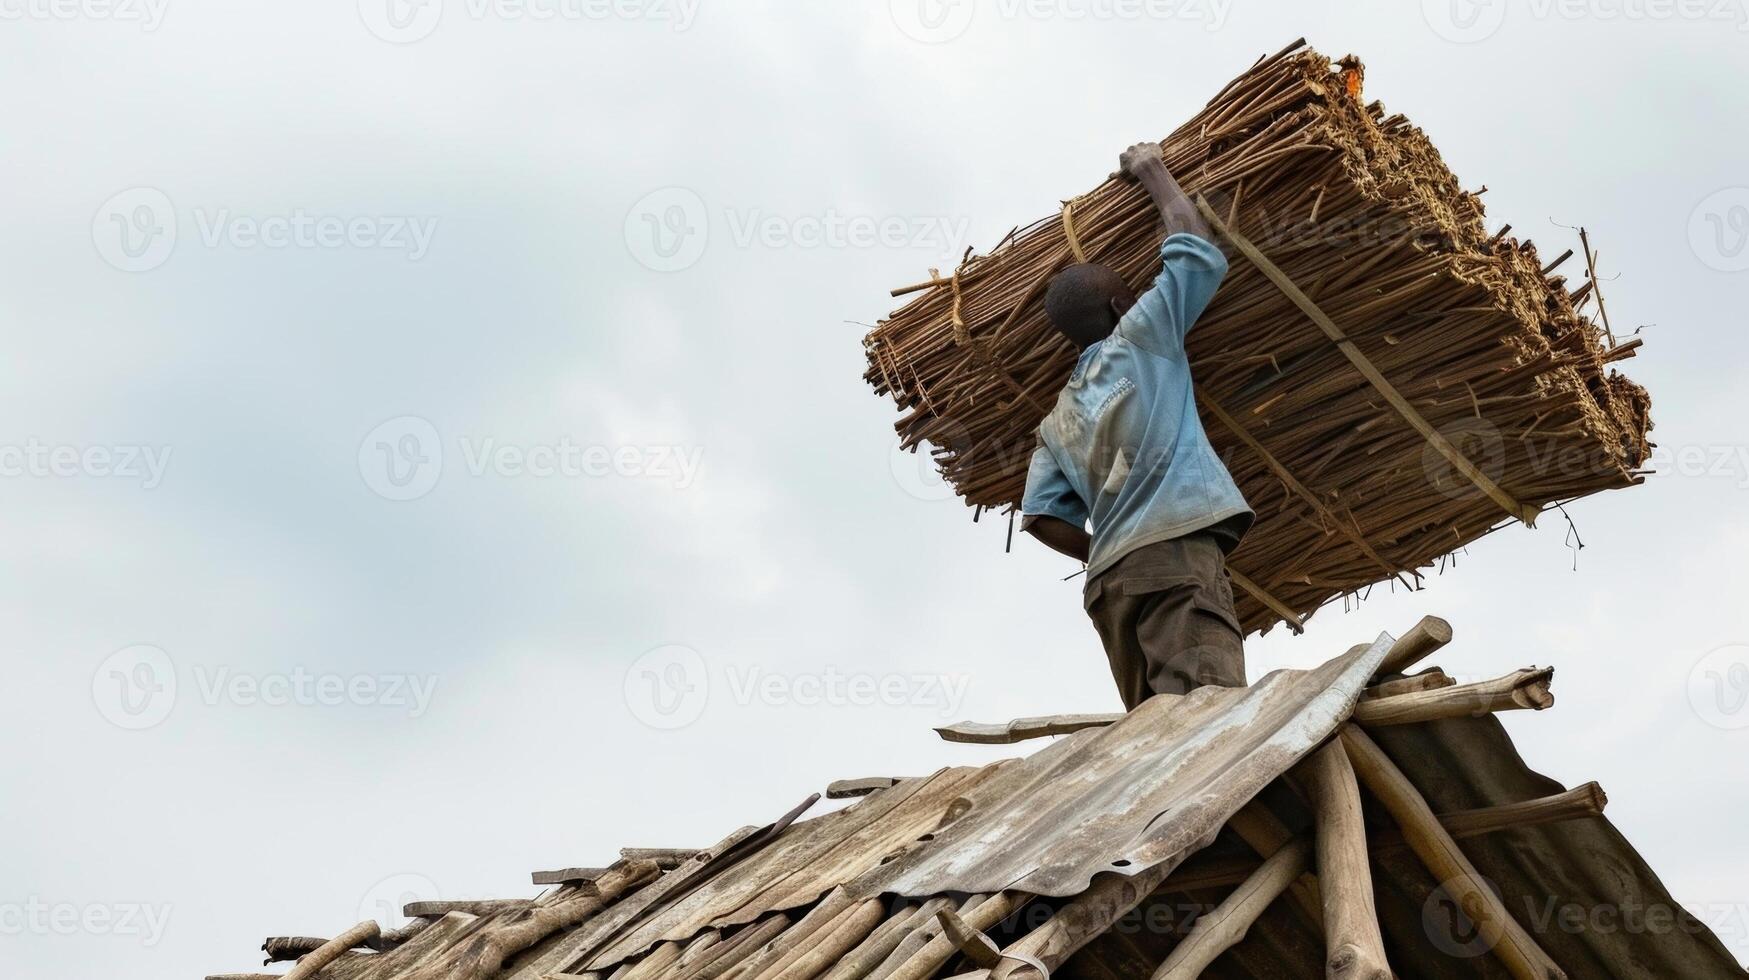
(809, 859)
(1146, 792)
(1149, 790)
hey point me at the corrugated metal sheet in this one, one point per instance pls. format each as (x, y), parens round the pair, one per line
(1147, 791)
(810, 859)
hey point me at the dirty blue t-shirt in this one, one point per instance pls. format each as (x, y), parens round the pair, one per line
(1124, 447)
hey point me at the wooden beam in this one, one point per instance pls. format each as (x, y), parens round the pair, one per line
(485, 954)
(1023, 729)
(849, 789)
(1361, 363)
(778, 949)
(730, 953)
(1428, 680)
(437, 910)
(1294, 620)
(319, 959)
(1588, 800)
(976, 946)
(1520, 954)
(1582, 803)
(1417, 645)
(1222, 929)
(656, 964)
(861, 962)
(666, 858)
(1260, 828)
(929, 960)
(1111, 897)
(1354, 946)
(1523, 690)
(568, 876)
(835, 939)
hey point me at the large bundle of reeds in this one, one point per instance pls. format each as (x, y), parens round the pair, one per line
(1386, 379)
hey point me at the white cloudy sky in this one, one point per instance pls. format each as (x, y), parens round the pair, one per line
(294, 149)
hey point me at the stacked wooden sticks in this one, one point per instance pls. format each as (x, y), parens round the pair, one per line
(1468, 330)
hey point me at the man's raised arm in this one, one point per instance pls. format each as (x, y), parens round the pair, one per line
(1144, 162)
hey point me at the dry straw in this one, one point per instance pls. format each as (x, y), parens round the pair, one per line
(1442, 326)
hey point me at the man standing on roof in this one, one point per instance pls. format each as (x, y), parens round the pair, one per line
(1125, 450)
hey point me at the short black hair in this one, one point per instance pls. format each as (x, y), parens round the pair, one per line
(1084, 302)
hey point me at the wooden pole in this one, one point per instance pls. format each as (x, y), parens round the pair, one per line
(1581, 803)
(732, 952)
(1111, 897)
(1429, 680)
(1023, 729)
(1355, 949)
(486, 954)
(822, 916)
(873, 951)
(845, 934)
(319, 959)
(940, 948)
(1416, 645)
(1523, 958)
(1266, 834)
(666, 858)
(1222, 929)
(1523, 690)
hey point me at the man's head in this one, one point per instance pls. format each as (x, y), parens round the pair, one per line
(1085, 302)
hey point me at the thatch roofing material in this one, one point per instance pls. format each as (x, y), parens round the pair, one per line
(1449, 334)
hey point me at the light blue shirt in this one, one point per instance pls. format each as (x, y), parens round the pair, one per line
(1124, 447)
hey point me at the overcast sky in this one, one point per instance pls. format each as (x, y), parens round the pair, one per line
(399, 400)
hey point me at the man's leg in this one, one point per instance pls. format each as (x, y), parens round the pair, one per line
(1190, 633)
(1165, 615)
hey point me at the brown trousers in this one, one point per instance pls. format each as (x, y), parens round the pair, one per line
(1165, 614)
